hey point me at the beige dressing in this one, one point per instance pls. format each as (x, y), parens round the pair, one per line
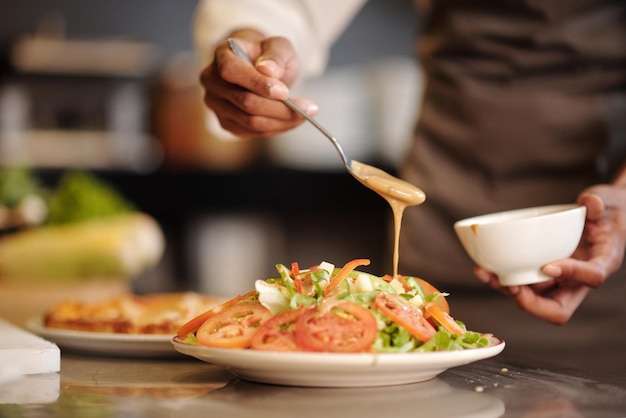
(398, 193)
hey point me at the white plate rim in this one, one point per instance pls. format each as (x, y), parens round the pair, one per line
(111, 343)
(272, 366)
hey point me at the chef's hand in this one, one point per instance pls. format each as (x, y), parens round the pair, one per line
(247, 99)
(600, 254)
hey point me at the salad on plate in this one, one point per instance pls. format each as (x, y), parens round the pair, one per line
(337, 310)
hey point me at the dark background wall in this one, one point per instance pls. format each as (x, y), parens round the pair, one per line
(184, 202)
(167, 23)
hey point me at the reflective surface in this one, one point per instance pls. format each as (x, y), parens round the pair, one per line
(334, 370)
(185, 387)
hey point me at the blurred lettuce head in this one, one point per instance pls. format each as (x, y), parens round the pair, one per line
(81, 196)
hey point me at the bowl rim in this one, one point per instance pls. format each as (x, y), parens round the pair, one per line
(516, 215)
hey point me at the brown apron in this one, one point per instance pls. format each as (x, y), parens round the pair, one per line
(525, 105)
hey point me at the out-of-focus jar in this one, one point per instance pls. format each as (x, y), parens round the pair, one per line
(181, 122)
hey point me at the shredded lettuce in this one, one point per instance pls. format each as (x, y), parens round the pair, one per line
(272, 296)
(280, 293)
(445, 341)
(80, 195)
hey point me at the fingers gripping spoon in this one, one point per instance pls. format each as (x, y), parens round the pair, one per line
(234, 46)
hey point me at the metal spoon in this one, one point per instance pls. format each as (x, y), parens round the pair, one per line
(388, 186)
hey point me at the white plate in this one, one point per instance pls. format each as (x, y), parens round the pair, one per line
(336, 370)
(106, 343)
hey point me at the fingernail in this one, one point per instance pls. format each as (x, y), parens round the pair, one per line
(278, 91)
(311, 109)
(597, 196)
(514, 290)
(552, 270)
(271, 68)
(483, 278)
(589, 195)
(481, 275)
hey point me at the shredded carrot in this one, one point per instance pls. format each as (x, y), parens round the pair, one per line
(443, 318)
(343, 273)
(297, 279)
(401, 279)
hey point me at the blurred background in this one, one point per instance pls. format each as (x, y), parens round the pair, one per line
(111, 88)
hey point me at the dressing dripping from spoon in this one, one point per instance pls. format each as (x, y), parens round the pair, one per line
(398, 193)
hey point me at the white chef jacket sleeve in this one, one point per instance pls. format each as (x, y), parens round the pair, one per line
(311, 25)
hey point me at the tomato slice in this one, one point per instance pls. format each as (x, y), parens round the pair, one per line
(405, 314)
(443, 318)
(345, 328)
(277, 333)
(234, 326)
(192, 325)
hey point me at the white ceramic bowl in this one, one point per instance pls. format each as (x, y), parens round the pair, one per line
(515, 244)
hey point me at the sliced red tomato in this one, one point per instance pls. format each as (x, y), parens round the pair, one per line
(344, 272)
(193, 324)
(277, 333)
(234, 326)
(346, 328)
(405, 314)
(443, 318)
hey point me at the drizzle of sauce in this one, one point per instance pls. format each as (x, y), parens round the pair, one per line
(398, 193)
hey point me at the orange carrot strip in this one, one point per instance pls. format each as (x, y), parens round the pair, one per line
(297, 279)
(343, 273)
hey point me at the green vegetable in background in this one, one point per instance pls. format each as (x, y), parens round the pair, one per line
(110, 247)
(16, 183)
(90, 230)
(81, 196)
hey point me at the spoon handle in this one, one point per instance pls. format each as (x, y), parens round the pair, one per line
(237, 50)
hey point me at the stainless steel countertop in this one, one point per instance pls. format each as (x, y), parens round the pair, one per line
(525, 380)
(188, 388)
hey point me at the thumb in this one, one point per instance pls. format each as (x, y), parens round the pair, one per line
(278, 59)
(268, 66)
